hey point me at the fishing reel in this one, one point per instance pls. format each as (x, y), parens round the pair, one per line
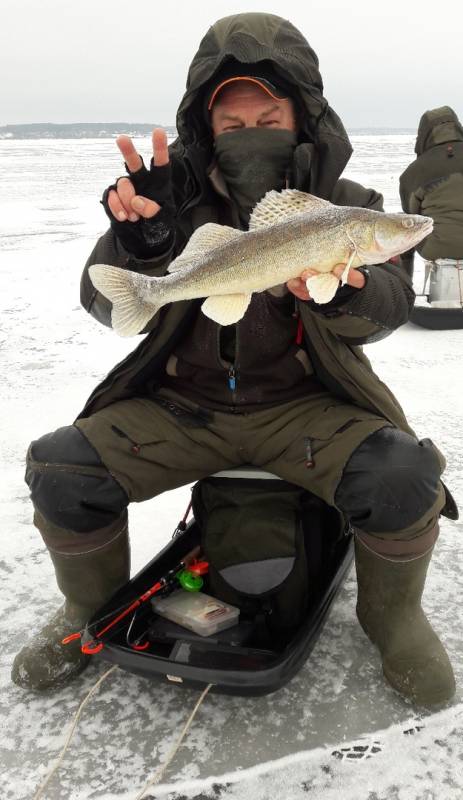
(189, 577)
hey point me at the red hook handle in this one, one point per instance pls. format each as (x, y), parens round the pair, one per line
(71, 638)
(143, 646)
(92, 647)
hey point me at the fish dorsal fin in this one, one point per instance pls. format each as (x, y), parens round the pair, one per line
(278, 206)
(204, 239)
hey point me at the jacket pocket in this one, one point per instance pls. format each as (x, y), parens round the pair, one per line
(337, 418)
(135, 446)
(342, 422)
(187, 417)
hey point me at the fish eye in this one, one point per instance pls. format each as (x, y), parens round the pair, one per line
(408, 223)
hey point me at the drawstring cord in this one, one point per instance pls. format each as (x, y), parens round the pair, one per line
(182, 524)
(309, 462)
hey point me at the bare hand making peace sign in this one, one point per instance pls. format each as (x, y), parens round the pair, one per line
(141, 206)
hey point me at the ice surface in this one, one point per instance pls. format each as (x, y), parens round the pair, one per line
(336, 731)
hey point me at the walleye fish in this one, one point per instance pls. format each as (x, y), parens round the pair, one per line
(289, 231)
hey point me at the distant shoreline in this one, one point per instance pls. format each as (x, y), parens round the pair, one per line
(105, 130)
(80, 130)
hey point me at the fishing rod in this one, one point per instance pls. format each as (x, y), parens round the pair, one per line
(187, 574)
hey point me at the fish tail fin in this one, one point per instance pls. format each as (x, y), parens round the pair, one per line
(131, 311)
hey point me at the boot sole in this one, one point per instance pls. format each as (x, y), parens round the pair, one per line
(433, 702)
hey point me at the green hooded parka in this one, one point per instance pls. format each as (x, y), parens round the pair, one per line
(433, 184)
(333, 335)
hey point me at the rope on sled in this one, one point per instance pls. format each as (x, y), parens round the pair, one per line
(84, 702)
(159, 772)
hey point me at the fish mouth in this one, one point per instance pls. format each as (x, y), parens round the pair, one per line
(421, 230)
(419, 226)
(426, 230)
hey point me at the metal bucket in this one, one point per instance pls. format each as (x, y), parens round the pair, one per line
(445, 282)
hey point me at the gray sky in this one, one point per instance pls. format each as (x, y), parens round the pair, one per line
(383, 63)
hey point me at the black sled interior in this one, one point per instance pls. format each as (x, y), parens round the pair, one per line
(235, 660)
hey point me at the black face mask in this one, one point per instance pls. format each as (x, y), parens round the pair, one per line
(252, 161)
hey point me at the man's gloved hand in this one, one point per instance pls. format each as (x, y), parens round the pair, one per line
(141, 207)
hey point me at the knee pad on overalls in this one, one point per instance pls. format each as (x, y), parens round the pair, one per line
(390, 481)
(70, 485)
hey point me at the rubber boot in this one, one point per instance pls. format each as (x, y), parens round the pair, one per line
(87, 581)
(415, 662)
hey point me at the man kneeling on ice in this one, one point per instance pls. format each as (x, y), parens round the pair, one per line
(196, 397)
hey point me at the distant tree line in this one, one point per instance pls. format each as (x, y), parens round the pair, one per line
(79, 130)
(103, 130)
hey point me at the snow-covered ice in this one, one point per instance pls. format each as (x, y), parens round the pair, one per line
(336, 730)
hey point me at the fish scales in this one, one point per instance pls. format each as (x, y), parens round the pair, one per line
(277, 254)
(289, 231)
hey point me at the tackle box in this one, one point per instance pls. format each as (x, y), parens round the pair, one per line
(197, 611)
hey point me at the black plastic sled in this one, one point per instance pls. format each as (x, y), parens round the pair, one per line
(437, 319)
(234, 661)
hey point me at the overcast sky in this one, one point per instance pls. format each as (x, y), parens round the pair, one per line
(383, 63)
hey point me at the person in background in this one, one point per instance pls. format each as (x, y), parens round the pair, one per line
(432, 185)
(194, 397)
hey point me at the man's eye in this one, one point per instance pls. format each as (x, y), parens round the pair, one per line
(271, 122)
